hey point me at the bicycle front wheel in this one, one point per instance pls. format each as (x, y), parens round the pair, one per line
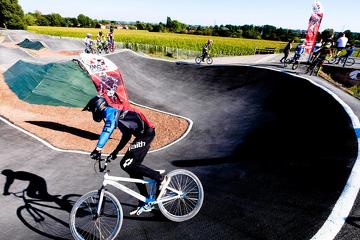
(84, 222)
(189, 203)
(209, 60)
(332, 60)
(287, 62)
(295, 65)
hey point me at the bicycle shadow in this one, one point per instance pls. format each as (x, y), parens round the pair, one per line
(42, 212)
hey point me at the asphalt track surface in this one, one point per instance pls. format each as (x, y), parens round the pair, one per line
(273, 152)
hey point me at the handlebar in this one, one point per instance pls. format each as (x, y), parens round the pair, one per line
(102, 167)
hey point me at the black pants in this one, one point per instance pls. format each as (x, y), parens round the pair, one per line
(286, 54)
(131, 162)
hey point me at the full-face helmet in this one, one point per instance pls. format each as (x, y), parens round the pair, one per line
(95, 106)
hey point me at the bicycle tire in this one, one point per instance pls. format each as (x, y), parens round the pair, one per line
(209, 60)
(295, 65)
(312, 70)
(198, 60)
(350, 62)
(186, 207)
(82, 222)
(332, 60)
(287, 62)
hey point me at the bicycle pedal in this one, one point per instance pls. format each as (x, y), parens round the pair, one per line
(140, 210)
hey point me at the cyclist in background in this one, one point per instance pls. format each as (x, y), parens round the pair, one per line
(341, 43)
(100, 39)
(110, 38)
(287, 50)
(322, 54)
(88, 43)
(131, 122)
(299, 50)
(206, 49)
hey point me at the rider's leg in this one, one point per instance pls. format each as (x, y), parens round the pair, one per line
(131, 162)
(204, 53)
(345, 59)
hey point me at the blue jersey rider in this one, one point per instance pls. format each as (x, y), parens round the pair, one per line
(299, 50)
(131, 122)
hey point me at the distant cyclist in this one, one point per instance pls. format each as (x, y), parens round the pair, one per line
(299, 50)
(322, 54)
(101, 41)
(131, 122)
(110, 38)
(287, 50)
(88, 43)
(341, 43)
(206, 49)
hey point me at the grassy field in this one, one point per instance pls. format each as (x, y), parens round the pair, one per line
(222, 46)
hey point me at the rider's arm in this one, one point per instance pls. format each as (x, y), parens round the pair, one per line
(9, 181)
(110, 123)
(126, 136)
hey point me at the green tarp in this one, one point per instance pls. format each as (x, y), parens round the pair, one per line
(57, 84)
(36, 45)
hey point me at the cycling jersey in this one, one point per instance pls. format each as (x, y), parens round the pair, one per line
(350, 51)
(88, 41)
(110, 36)
(299, 49)
(128, 120)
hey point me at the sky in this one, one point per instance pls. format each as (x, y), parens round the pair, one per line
(339, 15)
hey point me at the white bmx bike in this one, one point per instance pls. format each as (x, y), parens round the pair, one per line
(98, 214)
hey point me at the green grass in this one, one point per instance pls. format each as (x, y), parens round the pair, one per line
(222, 46)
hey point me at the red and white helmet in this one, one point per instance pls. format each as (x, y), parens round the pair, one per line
(210, 41)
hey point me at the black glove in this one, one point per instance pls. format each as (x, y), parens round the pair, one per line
(95, 154)
(112, 156)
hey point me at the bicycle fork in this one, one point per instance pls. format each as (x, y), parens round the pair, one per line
(100, 203)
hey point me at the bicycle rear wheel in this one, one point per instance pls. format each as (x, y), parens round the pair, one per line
(84, 224)
(198, 60)
(189, 203)
(350, 62)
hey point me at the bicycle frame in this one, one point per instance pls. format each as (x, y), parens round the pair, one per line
(113, 181)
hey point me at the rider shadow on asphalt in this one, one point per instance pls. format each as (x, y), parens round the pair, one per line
(36, 192)
(36, 189)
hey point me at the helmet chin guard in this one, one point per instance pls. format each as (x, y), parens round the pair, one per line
(95, 106)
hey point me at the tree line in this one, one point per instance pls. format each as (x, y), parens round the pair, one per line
(13, 17)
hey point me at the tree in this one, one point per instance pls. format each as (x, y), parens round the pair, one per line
(140, 25)
(55, 19)
(43, 21)
(327, 33)
(85, 21)
(29, 19)
(349, 35)
(11, 15)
